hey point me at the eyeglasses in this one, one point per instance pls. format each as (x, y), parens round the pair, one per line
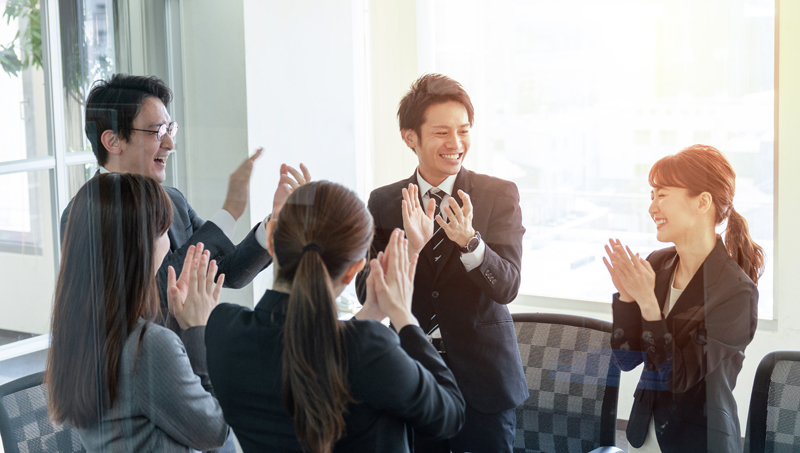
(163, 130)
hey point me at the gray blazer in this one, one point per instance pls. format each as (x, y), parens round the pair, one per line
(165, 400)
(240, 263)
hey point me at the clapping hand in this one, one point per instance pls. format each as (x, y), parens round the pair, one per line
(458, 226)
(290, 180)
(418, 224)
(239, 186)
(634, 278)
(194, 295)
(393, 287)
(370, 309)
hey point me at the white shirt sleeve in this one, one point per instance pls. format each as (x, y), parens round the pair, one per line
(474, 259)
(261, 232)
(225, 221)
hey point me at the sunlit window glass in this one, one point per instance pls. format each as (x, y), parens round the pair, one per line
(576, 100)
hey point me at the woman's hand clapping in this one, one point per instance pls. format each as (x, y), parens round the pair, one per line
(391, 280)
(194, 295)
(634, 278)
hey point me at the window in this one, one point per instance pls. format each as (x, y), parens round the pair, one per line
(50, 54)
(576, 100)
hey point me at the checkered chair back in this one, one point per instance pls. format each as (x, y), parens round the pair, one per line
(24, 423)
(572, 381)
(773, 423)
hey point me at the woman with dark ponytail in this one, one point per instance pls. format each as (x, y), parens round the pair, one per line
(689, 311)
(291, 377)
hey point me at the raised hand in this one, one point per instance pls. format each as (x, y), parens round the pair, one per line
(370, 308)
(623, 295)
(458, 226)
(636, 276)
(394, 286)
(239, 187)
(193, 295)
(418, 224)
(290, 180)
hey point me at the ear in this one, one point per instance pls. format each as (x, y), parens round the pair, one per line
(704, 202)
(111, 142)
(353, 270)
(411, 138)
(270, 244)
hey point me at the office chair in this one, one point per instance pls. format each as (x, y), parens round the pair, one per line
(773, 423)
(24, 423)
(573, 385)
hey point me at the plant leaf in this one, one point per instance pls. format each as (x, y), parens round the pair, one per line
(9, 61)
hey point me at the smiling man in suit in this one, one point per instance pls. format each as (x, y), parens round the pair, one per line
(131, 131)
(467, 228)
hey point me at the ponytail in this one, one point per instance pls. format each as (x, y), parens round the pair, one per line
(314, 372)
(742, 248)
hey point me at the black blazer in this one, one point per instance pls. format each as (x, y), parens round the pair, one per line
(240, 263)
(395, 379)
(476, 326)
(691, 359)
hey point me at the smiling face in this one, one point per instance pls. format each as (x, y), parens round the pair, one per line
(443, 141)
(676, 214)
(144, 154)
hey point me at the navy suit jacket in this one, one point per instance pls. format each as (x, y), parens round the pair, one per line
(395, 380)
(476, 326)
(240, 263)
(692, 358)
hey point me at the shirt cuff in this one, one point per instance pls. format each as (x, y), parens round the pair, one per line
(261, 232)
(475, 259)
(225, 221)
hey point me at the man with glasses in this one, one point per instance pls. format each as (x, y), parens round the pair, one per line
(131, 132)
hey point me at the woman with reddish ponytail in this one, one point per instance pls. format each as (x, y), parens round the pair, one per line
(292, 377)
(688, 311)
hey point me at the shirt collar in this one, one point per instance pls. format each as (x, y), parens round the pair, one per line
(446, 186)
(102, 170)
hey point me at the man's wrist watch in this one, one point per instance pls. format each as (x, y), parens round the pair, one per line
(473, 243)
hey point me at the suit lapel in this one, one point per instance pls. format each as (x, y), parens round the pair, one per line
(706, 276)
(463, 182)
(663, 277)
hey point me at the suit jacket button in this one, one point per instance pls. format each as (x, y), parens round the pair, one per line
(435, 294)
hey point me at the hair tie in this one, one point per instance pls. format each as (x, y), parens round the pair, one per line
(311, 246)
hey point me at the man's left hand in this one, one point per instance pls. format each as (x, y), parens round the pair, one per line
(459, 220)
(239, 187)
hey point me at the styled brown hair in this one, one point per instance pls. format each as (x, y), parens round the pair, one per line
(703, 168)
(323, 229)
(426, 91)
(114, 104)
(106, 282)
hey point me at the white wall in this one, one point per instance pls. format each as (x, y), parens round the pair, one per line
(215, 107)
(302, 63)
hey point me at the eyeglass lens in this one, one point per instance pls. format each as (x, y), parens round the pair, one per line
(172, 129)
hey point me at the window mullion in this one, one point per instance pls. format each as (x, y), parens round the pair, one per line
(56, 124)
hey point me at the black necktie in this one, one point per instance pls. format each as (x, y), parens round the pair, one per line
(435, 243)
(438, 234)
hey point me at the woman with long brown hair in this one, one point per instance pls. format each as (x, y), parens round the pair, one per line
(291, 377)
(124, 382)
(689, 311)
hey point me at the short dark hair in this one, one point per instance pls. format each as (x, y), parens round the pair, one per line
(113, 105)
(428, 90)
